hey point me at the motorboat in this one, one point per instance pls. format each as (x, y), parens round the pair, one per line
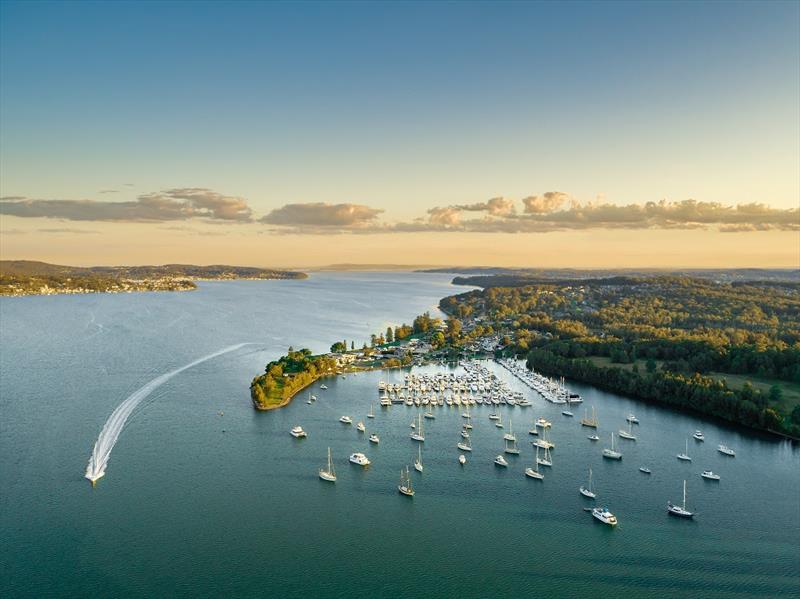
(708, 474)
(606, 517)
(298, 432)
(698, 436)
(645, 469)
(593, 438)
(462, 459)
(323, 386)
(359, 459)
(500, 461)
(373, 438)
(346, 420)
(360, 426)
(328, 473)
(632, 419)
(725, 450)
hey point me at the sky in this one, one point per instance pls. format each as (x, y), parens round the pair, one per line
(575, 134)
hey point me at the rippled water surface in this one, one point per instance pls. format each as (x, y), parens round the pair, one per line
(195, 503)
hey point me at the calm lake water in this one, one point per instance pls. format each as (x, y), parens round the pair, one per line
(195, 503)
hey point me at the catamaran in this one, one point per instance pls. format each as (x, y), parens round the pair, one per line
(418, 461)
(587, 491)
(405, 483)
(685, 455)
(680, 510)
(612, 454)
(328, 473)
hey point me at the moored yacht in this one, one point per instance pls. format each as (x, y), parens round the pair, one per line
(346, 420)
(627, 434)
(373, 438)
(709, 475)
(698, 436)
(612, 454)
(405, 487)
(587, 491)
(632, 419)
(298, 432)
(360, 426)
(418, 462)
(725, 450)
(685, 455)
(645, 470)
(462, 459)
(359, 459)
(604, 516)
(680, 510)
(328, 473)
(500, 461)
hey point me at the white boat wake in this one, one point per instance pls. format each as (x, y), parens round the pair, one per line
(96, 468)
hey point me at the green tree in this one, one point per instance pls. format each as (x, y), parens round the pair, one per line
(339, 347)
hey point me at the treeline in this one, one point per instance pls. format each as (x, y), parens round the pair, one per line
(702, 394)
(286, 376)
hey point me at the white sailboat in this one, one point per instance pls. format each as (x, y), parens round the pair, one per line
(612, 454)
(547, 460)
(418, 461)
(587, 491)
(464, 445)
(627, 434)
(371, 411)
(328, 473)
(509, 436)
(512, 449)
(534, 472)
(418, 434)
(685, 455)
(680, 510)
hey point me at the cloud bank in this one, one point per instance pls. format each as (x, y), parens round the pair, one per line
(170, 205)
(548, 212)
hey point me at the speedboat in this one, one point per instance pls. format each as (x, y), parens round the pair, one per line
(298, 432)
(346, 420)
(359, 459)
(604, 516)
(323, 386)
(593, 438)
(698, 436)
(462, 459)
(360, 426)
(645, 469)
(500, 461)
(567, 413)
(725, 450)
(709, 475)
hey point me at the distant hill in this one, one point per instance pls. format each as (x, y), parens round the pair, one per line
(374, 267)
(27, 277)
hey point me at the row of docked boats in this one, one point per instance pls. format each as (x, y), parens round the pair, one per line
(553, 391)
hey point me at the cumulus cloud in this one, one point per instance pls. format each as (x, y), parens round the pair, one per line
(495, 207)
(323, 218)
(547, 202)
(170, 205)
